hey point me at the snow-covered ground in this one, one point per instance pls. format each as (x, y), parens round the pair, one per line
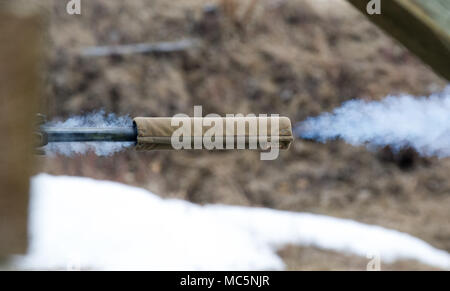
(84, 223)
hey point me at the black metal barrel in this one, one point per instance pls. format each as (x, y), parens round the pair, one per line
(86, 134)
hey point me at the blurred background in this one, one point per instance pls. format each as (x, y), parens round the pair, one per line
(296, 58)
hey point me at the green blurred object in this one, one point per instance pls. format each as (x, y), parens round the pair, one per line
(422, 26)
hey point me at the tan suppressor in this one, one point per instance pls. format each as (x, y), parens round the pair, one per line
(253, 132)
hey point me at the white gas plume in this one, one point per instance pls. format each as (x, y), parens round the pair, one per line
(422, 123)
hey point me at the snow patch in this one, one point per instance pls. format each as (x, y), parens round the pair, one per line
(84, 223)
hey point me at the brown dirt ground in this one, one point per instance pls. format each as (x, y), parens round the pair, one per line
(287, 57)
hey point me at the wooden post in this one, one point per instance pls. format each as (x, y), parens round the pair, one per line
(423, 26)
(20, 55)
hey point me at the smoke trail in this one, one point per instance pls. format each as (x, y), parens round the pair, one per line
(97, 119)
(422, 123)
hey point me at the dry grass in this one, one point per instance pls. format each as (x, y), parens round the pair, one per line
(312, 259)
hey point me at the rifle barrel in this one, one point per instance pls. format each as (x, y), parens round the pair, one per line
(86, 134)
